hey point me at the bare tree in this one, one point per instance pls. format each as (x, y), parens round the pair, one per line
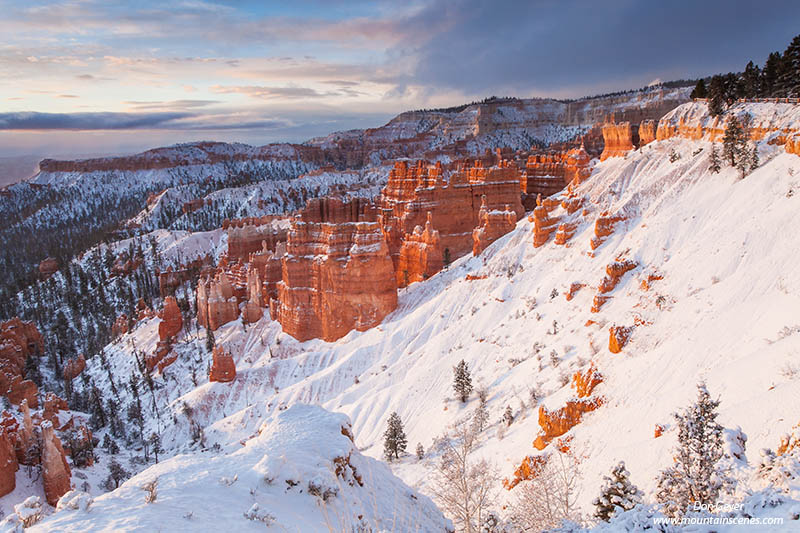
(546, 500)
(463, 486)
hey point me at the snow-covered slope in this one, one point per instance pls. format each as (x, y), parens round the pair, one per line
(299, 472)
(725, 312)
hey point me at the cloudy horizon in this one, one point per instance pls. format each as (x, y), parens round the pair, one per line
(92, 77)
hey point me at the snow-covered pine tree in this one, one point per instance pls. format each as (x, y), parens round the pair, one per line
(210, 342)
(617, 493)
(508, 416)
(695, 476)
(754, 162)
(462, 382)
(715, 164)
(481, 416)
(420, 452)
(394, 441)
(716, 96)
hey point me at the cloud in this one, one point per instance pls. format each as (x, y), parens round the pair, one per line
(257, 91)
(85, 121)
(170, 105)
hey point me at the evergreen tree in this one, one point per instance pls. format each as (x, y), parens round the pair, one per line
(394, 442)
(116, 473)
(155, 445)
(751, 81)
(716, 95)
(699, 90)
(462, 382)
(715, 164)
(420, 452)
(789, 76)
(209, 340)
(754, 162)
(508, 416)
(618, 493)
(109, 445)
(731, 140)
(769, 76)
(695, 476)
(481, 416)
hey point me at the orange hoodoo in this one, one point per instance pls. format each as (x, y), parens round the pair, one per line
(223, 369)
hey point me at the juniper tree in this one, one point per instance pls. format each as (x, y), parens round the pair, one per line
(462, 382)
(116, 472)
(695, 476)
(618, 493)
(394, 442)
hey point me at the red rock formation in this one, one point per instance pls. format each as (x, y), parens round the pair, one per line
(585, 382)
(171, 279)
(52, 405)
(223, 369)
(48, 267)
(618, 337)
(124, 265)
(565, 232)
(8, 463)
(24, 434)
(193, 205)
(336, 277)
(120, 326)
(254, 308)
(171, 319)
(618, 139)
(493, 225)
(648, 281)
(421, 255)
(143, 311)
(573, 290)
(556, 423)
(55, 470)
(543, 225)
(659, 430)
(18, 341)
(268, 266)
(216, 303)
(647, 132)
(529, 468)
(615, 271)
(793, 145)
(248, 237)
(414, 190)
(549, 173)
(603, 227)
(337, 211)
(74, 367)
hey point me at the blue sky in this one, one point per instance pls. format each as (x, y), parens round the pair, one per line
(91, 76)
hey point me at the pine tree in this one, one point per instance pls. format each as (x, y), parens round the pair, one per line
(462, 382)
(769, 76)
(715, 164)
(754, 162)
(394, 442)
(155, 445)
(731, 140)
(716, 95)
(789, 77)
(695, 476)
(420, 452)
(508, 416)
(699, 90)
(618, 493)
(116, 473)
(481, 416)
(210, 342)
(751, 81)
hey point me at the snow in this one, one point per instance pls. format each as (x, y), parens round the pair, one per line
(285, 473)
(725, 313)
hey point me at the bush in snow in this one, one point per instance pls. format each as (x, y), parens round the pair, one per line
(25, 515)
(618, 494)
(75, 501)
(696, 476)
(151, 490)
(257, 514)
(420, 452)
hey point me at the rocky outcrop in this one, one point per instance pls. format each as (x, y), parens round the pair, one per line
(120, 326)
(336, 278)
(48, 267)
(223, 369)
(603, 227)
(549, 173)
(55, 470)
(421, 255)
(171, 319)
(268, 266)
(793, 145)
(414, 190)
(254, 307)
(618, 139)
(614, 272)
(216, 303)
(8, 463)
(18, 341)
(250, 235)
(618, 337)
(493, 225)
(543, 225)
(647, 132)
(74, 367)
(585, 382)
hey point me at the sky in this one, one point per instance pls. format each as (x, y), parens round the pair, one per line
(90, 77)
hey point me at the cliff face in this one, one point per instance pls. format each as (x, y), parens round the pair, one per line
(216, 302)
(336, 278)
(18, 341)
(248, 235)
(618, 139)
(414, 191)
(421, 255)
(494, 224)
(647, 132)
(549, 173)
